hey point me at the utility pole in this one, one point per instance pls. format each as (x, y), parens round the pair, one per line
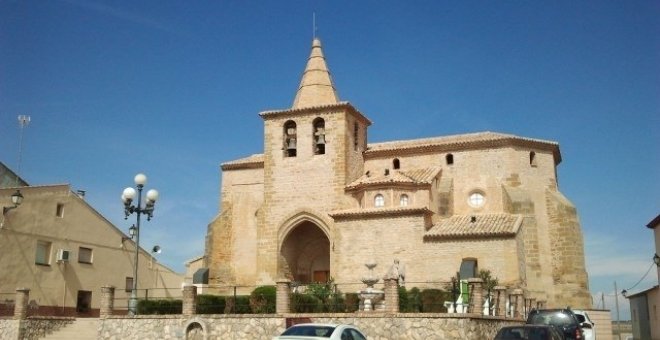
(616, 302)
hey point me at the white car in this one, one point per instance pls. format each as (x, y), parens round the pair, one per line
(311, 331)
(586, 324)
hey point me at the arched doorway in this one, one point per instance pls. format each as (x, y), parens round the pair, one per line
(305, 253)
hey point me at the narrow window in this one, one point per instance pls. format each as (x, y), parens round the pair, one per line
(396, 164)
(403, 201)
(449, 159)
(84, 255)
(129, 284)
(532, 158)
(379, 201)
(42, 255)
(319, 136)
(290, 139)
(59, 211)
(356, 130)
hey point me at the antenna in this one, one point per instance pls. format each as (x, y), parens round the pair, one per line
(314, 25)
(23, 121)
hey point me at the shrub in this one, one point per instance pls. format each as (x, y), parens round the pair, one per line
(410, 301)
(351, 303)
(211, 304)
(433, 301)
(149, 307)
(306, 303)
(238, 305)
(262, 300)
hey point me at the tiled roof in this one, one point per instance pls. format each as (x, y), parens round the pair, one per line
(254, 161)
(376, 212)
(473, 226)
(415, 177)
(460, 142)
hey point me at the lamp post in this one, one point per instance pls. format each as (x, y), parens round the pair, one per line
(127, 197)
(16, 199)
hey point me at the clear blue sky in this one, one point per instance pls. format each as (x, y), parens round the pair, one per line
(174, 88)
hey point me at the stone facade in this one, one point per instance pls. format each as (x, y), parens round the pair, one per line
(320, 201)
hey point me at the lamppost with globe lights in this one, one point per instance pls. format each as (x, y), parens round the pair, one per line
(127, 197)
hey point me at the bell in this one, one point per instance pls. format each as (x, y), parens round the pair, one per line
(320, 139)
(291, 145)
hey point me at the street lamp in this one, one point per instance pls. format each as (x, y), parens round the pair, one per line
(16, 199)
(148, 209)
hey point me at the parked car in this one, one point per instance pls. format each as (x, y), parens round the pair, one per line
(529, 332)
(310, 331)
(588, 326)
(564, 319)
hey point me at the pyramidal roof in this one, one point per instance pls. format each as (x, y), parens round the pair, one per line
(316, 87)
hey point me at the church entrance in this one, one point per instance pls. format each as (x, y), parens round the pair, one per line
(305, 252)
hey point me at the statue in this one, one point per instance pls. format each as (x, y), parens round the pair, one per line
(397, 271)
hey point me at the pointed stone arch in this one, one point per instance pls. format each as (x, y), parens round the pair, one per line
(304, 248)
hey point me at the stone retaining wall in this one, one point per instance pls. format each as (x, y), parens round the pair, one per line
(258, 326)
(31, 328)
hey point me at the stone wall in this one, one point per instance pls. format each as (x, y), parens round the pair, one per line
(374, 326)
(31, 328)
(9, 329)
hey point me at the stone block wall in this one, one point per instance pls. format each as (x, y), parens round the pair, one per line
(249, 327)
(32, 328)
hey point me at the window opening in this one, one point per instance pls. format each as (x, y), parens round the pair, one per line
(129, 284)
(396, 164)
(84, 255)
(532, 158)
(356, 130)
(449, 158)
(476, 199)
(42, 255)
(319, 136)
(403, 200)
(379, 201)
(59, 211)
(290, 139)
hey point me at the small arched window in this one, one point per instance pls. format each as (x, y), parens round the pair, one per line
(379, 201)
(396, 164)
(449, 159)
(532, 158)
(290, 138)
(319, 136)
(403, 200)
(356, 131)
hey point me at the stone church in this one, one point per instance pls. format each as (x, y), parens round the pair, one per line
(320, 201)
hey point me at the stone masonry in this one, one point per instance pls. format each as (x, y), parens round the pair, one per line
(320, 200)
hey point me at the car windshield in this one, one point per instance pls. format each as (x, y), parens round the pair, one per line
(310, 330)
(515, 333)
(555, 319)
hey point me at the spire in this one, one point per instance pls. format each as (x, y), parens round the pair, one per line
(316, 87)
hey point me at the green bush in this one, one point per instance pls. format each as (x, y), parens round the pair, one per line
(410, 301)
(262, 300)
(433, 301)
(211, 304)
(150, 307)
(239, 305)
(351, 303)
(305, 303)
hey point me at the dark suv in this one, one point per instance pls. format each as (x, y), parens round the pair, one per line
(564, 319)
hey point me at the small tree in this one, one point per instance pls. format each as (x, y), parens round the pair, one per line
(489, 281)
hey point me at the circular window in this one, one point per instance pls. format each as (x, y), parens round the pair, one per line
(476, 199)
